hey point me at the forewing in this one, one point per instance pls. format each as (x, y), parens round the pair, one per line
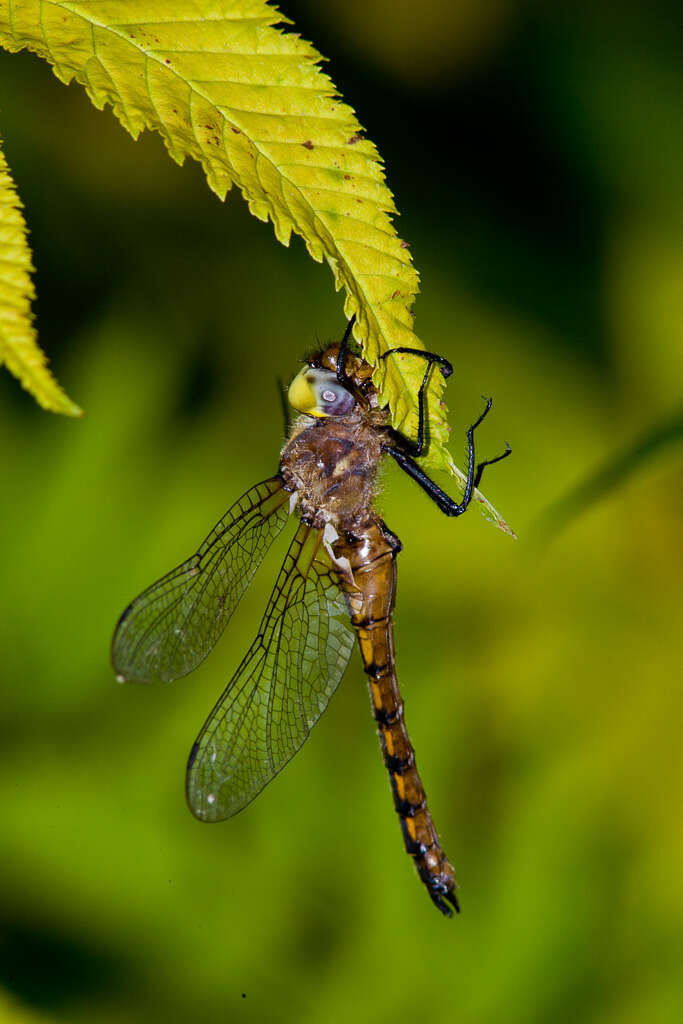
(281, 688)
(171, 627)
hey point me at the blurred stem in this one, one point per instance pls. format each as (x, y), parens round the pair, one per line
(614, 472)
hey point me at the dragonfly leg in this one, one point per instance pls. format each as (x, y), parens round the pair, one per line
(342, 375)
(448, 505)
(417, 447)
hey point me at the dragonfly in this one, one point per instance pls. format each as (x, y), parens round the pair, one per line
(337, 586)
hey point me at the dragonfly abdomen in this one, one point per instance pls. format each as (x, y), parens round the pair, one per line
(372, 557)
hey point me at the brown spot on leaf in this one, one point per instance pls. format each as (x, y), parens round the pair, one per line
(347, 177)
(235, 130)
(395, 294)
(167, 61)
(405, 245)
(354, 139)
(308, 144)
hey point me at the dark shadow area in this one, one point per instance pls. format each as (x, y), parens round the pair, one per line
(53, 970)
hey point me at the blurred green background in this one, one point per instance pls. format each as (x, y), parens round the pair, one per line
(536, 153)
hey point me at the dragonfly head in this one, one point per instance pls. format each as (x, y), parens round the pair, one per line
(317, 392)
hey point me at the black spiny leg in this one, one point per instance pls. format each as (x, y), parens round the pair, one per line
(342, 376)
(416, 448)
(474, 472)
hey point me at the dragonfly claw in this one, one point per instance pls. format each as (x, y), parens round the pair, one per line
(439, 898)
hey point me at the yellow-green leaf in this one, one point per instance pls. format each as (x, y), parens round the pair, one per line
(19, 350)
(223, 84)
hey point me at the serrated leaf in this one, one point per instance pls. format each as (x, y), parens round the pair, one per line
(222, 84)
(19, 350)
(487, 510)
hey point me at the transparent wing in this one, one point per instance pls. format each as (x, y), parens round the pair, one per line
(171, 627)
(281, 688)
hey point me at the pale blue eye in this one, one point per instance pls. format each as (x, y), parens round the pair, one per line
(336, 400)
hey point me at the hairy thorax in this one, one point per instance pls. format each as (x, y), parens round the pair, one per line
(331, 464)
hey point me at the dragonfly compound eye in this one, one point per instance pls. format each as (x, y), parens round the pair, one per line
(335, 401)
(317, 392)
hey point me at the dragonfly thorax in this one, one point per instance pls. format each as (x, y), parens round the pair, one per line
(332, 465)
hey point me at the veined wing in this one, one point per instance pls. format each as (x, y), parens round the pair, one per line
(171, 627)
(281, 688)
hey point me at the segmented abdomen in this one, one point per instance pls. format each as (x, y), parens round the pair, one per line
(372, 552)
